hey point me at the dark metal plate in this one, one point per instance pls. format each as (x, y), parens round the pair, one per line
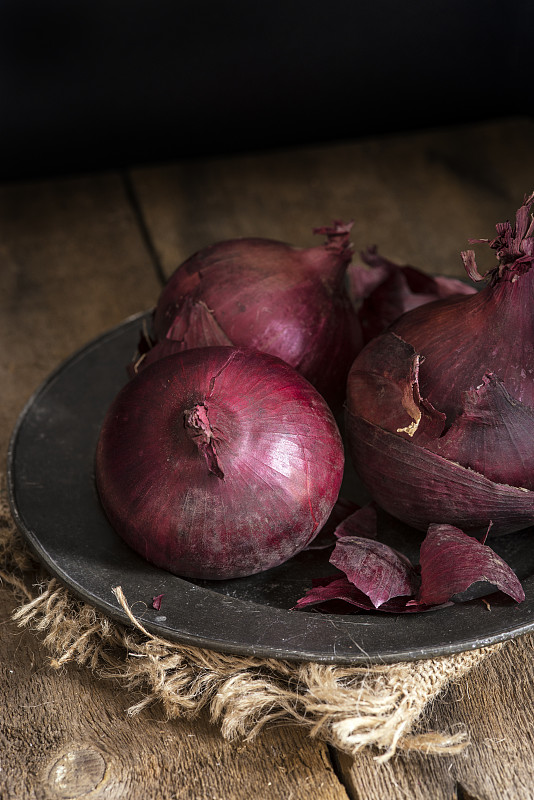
(55, 504)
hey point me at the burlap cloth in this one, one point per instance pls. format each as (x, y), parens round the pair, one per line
(349, 707)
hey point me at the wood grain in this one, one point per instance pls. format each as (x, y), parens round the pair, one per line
(495, 703)
(419, 197)
(73, 264)
(66, 734)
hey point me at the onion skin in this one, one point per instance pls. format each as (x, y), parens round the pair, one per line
(286, 301)
(440, 409)
(377, 577)
(376, 569)
(387, 290)
(451, 562)
(218, 463)
(417, 486)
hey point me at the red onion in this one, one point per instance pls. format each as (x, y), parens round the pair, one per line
(440, 413)
(218, 462)
(286, 301)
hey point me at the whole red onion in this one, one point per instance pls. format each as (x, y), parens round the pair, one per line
(440, 413)
(218, 462)
(287, 301)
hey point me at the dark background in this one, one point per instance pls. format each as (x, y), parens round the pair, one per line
(92, 85)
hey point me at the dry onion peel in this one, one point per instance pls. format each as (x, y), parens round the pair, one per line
(375, 576)
(387, 290)
(377, 570)
(451, 562)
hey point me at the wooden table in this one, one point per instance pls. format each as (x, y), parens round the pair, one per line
(78, 255)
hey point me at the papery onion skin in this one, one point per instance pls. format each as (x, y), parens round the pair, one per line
(387, 290)
(218, 463)
(416, 485)
(378, 577)
(376, 569)
(267, 295)
(451, 562)
(440, 410)
(337, 595)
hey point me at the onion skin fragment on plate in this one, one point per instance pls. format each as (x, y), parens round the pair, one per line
(373, 576)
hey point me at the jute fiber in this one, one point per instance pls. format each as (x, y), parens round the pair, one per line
(378, 706)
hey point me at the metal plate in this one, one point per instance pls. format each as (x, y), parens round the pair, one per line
(56, 506)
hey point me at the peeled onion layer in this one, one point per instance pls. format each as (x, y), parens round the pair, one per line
(218, 462)
(412, 464)
(387, 290)
(420, 479)
(377, 570)
(374, 576)
(360, 522)
(451, 562)
(337, 595)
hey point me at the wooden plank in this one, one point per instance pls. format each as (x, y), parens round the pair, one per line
(494, 703)
(73, 265)
(420, 197)
(66, 734)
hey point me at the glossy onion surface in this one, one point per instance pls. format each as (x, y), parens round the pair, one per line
(218, 462)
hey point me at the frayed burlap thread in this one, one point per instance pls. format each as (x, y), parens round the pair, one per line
(349, 707)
